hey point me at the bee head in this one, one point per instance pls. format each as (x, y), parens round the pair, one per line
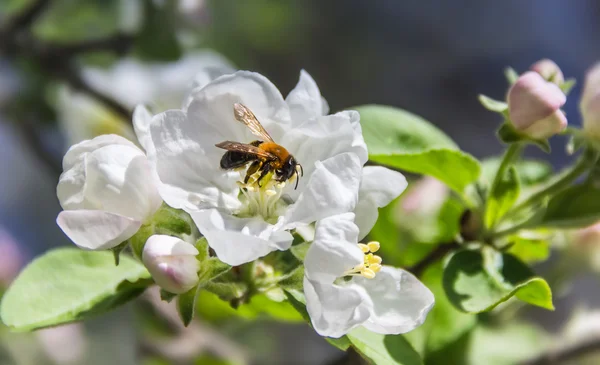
(289, 168)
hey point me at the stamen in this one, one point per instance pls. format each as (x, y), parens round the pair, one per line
(371, 264)
(280, 185)
(270, 192)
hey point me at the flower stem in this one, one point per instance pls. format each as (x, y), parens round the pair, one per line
(512, 152)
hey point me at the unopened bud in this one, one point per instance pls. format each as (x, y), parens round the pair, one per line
(534, 106)
(549, 71)
(590, 103)
(172, 263)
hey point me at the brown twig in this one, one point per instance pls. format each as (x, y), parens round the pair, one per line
(565, 354)
(437, 254)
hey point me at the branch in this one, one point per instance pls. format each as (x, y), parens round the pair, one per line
(565, 354)
(437, 254)
(23, 19)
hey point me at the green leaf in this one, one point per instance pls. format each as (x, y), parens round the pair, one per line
(405, 141)
(186, 306)
(444, 324)
(511, 75)
(574, 207)
(293, 280)
(492, 105)
(502, 196)
(172, 221)
(68, 284)
(474, 284)
(454, 168)
(530, 246)
(299, 250)
(157, 39)
(382, 349)
(138, 240)
(530, 172)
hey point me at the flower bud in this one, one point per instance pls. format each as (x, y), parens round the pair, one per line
(172, 263)
(590, 103)
(534, 106)
(549, 71)
(585, 246)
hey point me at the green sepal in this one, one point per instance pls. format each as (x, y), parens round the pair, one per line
(167, 296)
(511, 75)
(508, 134)
(567, 86)
(117, 251)
(492, 104)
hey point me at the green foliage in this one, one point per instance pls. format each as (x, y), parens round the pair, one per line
(157, 39)
(382, 349)
(530, 172)
(508, 134)
(530, 246)
(493, 105)
(405, 141)
(476, 281)
(444, 324)
(69, 284)
(502, 196)
(576, 206)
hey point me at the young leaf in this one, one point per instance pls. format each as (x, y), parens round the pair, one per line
(530, 247)
(382, 349)
(511, 75)
(68, 284)
(405, 141)
(502, 197)
(492, 105)
(475, 285)
(530, 171)
(576, 206)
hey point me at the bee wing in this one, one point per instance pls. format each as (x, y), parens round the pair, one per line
(244, 115)
(246, 148)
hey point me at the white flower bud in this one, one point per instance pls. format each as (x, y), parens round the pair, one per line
(172, 263)
(549, 71)
(590, 103)
(534, 106)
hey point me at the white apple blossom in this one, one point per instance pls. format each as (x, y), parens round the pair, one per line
(243, 222)
(171, 262)
(346, 286)
(107, 191)
(131, 82)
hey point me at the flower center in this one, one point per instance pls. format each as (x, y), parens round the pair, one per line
(261, 198)
(371, 264)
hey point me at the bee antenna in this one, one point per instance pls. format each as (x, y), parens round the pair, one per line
(301, 170)
(297, 180)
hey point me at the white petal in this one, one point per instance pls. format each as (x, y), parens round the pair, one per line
(76, 153)
(331, 189)
(189, 179)
(305, 99)
(172, 263)
(400, 302)
(96, 230)
(141, 124)
(378, 187)
(119, 180)
(239, 240)
(334, 249)
(334, 310)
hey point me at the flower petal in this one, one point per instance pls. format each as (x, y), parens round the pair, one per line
(334, 249)
(305, 99)
(334, 310)
(77, 152)
(141, 124)
(378, 187)
(96, 230)
(332, 189)
(400, 302)
(189, 179)
(239, 240)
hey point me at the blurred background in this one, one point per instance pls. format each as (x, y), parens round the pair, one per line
(71, 69)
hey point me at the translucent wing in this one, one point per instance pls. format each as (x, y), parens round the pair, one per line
(246, 148)
(244, 115)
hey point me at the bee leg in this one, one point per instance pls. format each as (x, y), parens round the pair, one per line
(265, 170)
(254, 167)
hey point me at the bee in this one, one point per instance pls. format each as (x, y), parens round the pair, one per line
(264, 155)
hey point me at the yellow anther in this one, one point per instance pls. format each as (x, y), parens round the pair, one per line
(373, 246)
(270, 192)
(250, 187)
(363, 247)
(373, 259)
(368, 273)
(280, 185)
(375, 267)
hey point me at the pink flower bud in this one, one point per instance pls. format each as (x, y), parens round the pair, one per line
(534, 106)
(549, 71)
(172, 263)
(590, 103)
